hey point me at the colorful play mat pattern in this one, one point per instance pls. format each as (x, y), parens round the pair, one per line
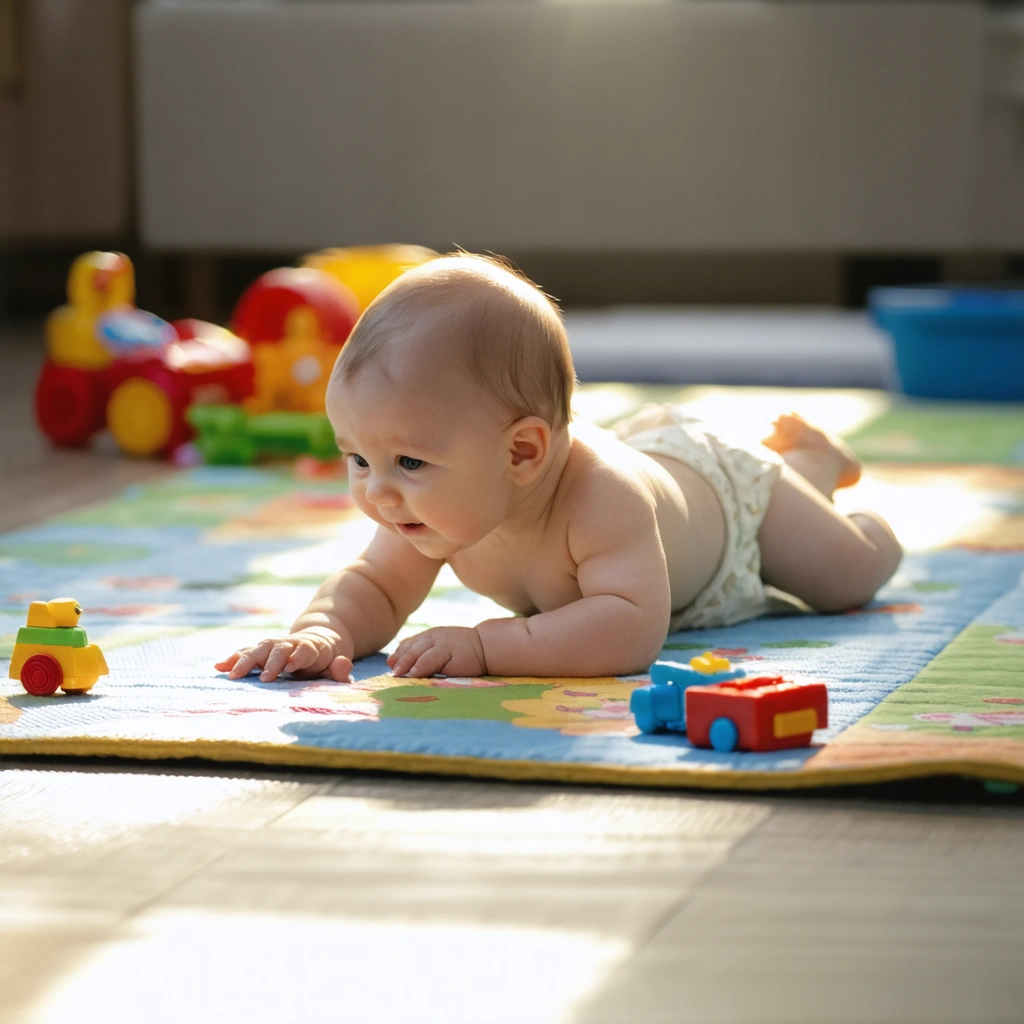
(929, 679)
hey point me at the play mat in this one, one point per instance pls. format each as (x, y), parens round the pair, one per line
(929, 679)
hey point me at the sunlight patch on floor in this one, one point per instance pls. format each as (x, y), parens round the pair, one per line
(85, 808)
(203, 965)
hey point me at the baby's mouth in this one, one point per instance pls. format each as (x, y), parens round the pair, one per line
(409, 527)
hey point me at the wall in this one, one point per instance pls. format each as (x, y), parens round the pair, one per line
(65, 166)
(699, 127)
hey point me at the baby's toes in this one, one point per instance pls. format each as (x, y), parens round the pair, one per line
(778, 439)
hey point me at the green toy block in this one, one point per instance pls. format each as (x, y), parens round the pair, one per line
(227, 435)
(55, 636)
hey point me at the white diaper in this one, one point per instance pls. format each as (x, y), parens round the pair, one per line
(743, 480)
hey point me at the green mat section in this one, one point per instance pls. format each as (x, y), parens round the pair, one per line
(943, 432)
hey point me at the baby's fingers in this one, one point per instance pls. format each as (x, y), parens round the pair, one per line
(241, 663)
(228, 663)
(407, 655)
(305, 655)
(276, 660)
(429, 662)
(341, 669)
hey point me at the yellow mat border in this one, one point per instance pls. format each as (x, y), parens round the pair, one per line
(509, 770)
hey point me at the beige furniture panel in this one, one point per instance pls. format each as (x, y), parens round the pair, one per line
(1001, 151)
(703, 126)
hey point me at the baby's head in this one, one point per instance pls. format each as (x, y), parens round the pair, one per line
(474, 315)
(460, 369)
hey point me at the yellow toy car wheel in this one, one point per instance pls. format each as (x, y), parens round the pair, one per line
(41, 675)
(140, 416)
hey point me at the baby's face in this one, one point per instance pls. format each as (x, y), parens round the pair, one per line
(426, 460)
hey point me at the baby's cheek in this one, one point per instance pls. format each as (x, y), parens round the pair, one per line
(358, 495)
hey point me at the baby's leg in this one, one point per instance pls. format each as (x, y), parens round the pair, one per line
(808, 549)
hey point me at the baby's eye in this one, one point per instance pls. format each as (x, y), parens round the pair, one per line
(407, 462)
(359, 460)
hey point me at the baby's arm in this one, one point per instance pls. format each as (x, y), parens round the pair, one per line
(618, 626)
(354, 613)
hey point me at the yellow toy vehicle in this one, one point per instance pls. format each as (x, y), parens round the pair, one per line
(53, 651)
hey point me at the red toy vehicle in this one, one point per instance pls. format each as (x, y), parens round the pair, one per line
(111, 364)
(143, 396)
(765, 713)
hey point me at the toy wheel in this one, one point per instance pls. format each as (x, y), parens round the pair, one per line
(141, 416)
(640, 704)
(41, 675)
(69, 404)
(724, 735)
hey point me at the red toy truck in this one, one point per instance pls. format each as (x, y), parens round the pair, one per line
(112, 364)
(765, 713)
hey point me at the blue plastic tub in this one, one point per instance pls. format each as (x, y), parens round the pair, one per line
(955, 342)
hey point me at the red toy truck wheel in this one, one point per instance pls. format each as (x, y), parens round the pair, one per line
(41, 675)
(69, 404)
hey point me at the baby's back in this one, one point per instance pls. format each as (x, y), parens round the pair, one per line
(690, 517)
(537, 572)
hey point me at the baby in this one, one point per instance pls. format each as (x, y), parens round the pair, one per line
(450, 402)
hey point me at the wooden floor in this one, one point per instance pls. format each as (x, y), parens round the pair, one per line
(168, 893)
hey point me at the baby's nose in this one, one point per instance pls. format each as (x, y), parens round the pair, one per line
(381, 492)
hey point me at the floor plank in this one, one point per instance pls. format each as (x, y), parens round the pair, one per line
(829, 913)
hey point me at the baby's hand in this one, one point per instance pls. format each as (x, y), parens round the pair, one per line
(453, 650)
(307, 654)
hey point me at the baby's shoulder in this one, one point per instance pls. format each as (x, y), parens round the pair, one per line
(607, 486)
(604, 463)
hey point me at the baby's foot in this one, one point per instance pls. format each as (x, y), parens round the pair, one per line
(793, 433)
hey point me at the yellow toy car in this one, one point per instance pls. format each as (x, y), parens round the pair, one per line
(53, 651)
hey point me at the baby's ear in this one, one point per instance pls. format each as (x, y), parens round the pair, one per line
(529, 444)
